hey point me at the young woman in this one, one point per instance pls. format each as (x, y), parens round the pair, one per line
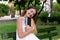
(24, 31)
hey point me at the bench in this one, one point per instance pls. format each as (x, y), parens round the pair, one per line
(47, 32)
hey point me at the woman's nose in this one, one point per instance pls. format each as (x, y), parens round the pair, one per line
(31, 14)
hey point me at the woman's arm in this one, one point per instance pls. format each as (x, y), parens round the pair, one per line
(22, 34)
(33, 25)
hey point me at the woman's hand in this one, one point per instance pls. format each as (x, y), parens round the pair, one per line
(29, 28)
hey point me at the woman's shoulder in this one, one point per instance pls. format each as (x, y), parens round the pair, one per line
(20, 18)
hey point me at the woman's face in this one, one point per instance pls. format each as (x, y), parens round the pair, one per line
(30, 13)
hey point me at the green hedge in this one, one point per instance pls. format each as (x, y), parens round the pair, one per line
(54, 17)
(43, 16)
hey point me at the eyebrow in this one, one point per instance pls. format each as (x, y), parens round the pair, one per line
(31, 10)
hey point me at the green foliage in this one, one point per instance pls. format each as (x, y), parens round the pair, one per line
(56, 7)
(38, 7)
(43, 16)
(25, 3)
(16, 7)
(54, 17)
(4, 9)
(56, 14)
(38, 2)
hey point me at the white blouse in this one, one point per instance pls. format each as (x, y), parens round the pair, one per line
(31, 36)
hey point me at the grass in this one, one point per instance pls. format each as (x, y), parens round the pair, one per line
(7, 27)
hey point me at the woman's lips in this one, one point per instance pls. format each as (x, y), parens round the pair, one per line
(30, 15)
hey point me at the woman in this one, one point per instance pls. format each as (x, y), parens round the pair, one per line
(24, 31)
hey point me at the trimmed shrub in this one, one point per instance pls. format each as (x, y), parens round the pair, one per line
(54, 17)
(43, 16)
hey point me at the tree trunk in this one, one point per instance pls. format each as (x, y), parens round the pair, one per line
(51, 2)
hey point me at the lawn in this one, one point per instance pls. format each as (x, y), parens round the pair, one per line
(7, 27)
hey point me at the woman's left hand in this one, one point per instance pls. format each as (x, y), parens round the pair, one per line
(28, 28)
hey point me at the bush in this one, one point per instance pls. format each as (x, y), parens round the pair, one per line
(4, 9)
(43, 16)
(56, 7)
(54, 17)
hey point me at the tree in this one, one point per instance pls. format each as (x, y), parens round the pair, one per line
(26, 3)
(40, 10)
(4, 9)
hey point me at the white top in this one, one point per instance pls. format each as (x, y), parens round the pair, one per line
(28, 37)
(24, 23)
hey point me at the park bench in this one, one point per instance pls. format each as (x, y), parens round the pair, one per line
(47, 32)
(8, 28)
